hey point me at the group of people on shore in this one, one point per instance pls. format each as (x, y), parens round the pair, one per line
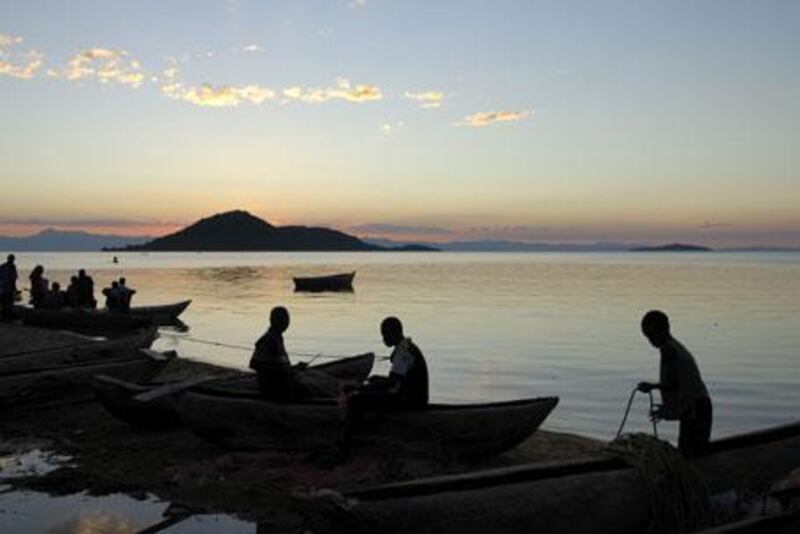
(684, 395)
(48, 295)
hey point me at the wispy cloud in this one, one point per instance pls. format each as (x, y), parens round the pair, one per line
(20, 65)
(396, 229)
(487, 118)
(252, 48)
(208, 95)
(343, 90)
(427, 99)
(104, 65)
(357, 4)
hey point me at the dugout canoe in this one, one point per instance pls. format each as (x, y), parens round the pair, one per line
(603, 495)
(467, 432)
(334, 282)
(75, 351)
(61, 382)
(137, 317)
(160, 413)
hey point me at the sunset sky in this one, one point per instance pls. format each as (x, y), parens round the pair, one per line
(525, 120)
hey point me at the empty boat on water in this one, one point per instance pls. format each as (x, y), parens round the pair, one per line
(334, 282)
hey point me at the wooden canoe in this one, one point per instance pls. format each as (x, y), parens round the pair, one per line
(74, 352)
(79, 318)
(469, 431)
(578, 497)
(138, 316)
(72, 381)
(334, 282)
(118, 396)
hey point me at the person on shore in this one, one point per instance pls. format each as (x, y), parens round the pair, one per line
(55, 297)
(125, 295)
(406, 387)
(271, 362)
(684, 396)
(8, 288)
(112, 296)
(72, 293)
(39, 286)
(85, 287)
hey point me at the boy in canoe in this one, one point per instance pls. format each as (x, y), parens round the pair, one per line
(683, 394)
(271, 362)
(406, 387)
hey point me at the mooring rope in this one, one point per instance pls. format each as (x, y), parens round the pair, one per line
(628, 410)
(313, 355)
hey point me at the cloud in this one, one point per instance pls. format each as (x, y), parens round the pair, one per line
(357, 4)
(252, 48)
(343, 90)
(208, 95)
(218, 97)
(22, 66)
(103, 65)
(108, 222)
(487, 118)
(427, 99)
(396, 229)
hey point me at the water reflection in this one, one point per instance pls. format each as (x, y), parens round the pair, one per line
(31, 512)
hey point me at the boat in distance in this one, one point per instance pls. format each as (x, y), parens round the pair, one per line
(464, 432)
(333, 282)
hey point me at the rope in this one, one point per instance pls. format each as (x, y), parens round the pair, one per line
(628, 410)
(314, 355)
(679, 496)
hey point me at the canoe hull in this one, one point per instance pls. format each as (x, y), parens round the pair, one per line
(117, 396)
(83, 351)
(336, 282)
(139, 316)
(604, 496)
(465, 432)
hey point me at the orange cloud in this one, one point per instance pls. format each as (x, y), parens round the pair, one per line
(17, 65)
(487, 118)
(104, 65)
(343, 90)
(427, 99)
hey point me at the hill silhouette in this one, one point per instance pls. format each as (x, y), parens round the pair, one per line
(240, 231)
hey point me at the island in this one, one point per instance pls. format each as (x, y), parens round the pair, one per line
(239, 231)
(673, 247)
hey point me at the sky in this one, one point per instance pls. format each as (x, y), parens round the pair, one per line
(551, 121)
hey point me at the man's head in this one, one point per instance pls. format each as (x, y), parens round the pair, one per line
(279, 318)
(655, 327)
(10, 258)
(82, 273)
(392, 331)
(56, 286)
(114, 284)
(122, 281)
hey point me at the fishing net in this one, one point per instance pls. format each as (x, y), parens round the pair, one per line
(678, 494)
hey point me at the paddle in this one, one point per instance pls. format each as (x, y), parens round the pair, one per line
(175, 387)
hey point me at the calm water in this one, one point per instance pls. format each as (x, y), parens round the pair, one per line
(500, 326)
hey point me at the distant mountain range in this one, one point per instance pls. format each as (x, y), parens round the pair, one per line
(672, 247)
(51, 240)
(494, 245)
(240, 231)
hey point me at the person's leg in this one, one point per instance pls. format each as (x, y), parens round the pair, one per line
(702, 431)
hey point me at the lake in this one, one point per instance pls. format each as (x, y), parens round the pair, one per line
(499, 326)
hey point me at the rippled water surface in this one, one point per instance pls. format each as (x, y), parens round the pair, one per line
(500, 326)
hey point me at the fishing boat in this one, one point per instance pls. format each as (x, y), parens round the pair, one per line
(74, 350)
(138, 316)
(58, 383)
(334, 282)
(468, 431)
(121, 398)
(602, 495)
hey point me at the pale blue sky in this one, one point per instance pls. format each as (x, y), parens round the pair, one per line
(630, 120)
